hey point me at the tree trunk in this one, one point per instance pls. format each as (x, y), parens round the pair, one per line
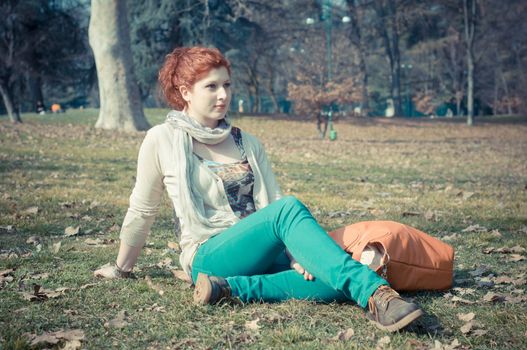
(396, 66)
(35, 85)
(12, 112)
(470, 89)
(356, 40)
(499, 70)
(109, 36)
(469, 16)
(391, 47)
(274, 100)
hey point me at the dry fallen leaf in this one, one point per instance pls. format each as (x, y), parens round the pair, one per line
(39, 276)
(496, 233)
(345, 335)
(384, 341)
(479, 332)
(156, 308)
(30, 211)
(516, 257)
(71, 231)
(453, 345)
(6, 272)
(56, 337)
(33, 240)
(475, 228)
(41, 294)
(430, 215)
(6, 276)
(98, 241)
(493, 297)
(88, 285)
(56, 247)
(450, 237)
(181, 275)
(252, 325)
(463, 291)
(166, 262)
(154, 286)
(173, 245)
(466, 317)
(119, 321)
(461, 300)
(72, 345)
(517, 249)
(114, 228)
(467, 195)
(467, 327)
(515, 300)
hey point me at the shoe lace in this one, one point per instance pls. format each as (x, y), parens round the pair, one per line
(382, 296)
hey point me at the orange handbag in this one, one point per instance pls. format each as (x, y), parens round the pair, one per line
(408, 258)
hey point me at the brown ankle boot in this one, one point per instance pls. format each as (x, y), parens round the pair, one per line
(210, 289)
(389, 311)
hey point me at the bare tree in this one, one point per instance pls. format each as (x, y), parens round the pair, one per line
(469, 20)
(109, 37)
(388, 29)
(356, 40)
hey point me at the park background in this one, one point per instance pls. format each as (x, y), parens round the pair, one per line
(427, 98)
(367, 58)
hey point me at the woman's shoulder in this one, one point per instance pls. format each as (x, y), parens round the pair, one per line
(159, 129)
(158, 137)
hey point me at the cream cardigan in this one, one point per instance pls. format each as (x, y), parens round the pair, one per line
(156, 169)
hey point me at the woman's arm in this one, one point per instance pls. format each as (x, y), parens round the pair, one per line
(144, 205)
(273, 188)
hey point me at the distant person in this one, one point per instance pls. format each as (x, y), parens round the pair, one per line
(239, 237)
(40, 108)
(56, 108)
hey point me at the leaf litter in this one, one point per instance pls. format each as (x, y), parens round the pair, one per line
(72, 338)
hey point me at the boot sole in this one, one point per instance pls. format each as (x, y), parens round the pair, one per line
(202, 290)
(403, 322)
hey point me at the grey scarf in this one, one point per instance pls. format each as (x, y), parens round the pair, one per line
(190, 202)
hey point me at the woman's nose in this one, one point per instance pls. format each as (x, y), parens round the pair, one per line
(222, 93)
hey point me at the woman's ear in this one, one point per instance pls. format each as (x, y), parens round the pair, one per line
(185, 93)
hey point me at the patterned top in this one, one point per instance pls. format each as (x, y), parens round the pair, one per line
(238, 179)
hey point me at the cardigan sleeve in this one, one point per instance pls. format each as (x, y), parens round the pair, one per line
(273, 188)
(146, 195)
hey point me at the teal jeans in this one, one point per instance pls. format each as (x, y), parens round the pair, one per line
(250, 255)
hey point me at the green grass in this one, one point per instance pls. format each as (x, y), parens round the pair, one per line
(378, 169)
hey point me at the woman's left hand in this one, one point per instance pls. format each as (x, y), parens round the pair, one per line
(299, 268)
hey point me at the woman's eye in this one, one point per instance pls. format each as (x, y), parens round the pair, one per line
(227, 85)
(211, 86)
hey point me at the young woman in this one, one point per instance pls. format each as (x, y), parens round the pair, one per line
(239, 237)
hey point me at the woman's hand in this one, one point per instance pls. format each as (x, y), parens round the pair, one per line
(111, 271)
(299, 268)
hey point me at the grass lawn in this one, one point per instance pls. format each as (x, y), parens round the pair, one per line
(467, 186)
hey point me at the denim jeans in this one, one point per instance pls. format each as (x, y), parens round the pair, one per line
(250, 255)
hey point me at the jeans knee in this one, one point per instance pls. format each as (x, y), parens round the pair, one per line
(291, 203)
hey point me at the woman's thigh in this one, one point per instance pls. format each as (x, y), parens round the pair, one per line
(247, 248)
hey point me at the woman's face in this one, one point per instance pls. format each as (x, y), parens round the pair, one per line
(209, 98)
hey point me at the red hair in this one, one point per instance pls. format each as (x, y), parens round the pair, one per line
(185, 66)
